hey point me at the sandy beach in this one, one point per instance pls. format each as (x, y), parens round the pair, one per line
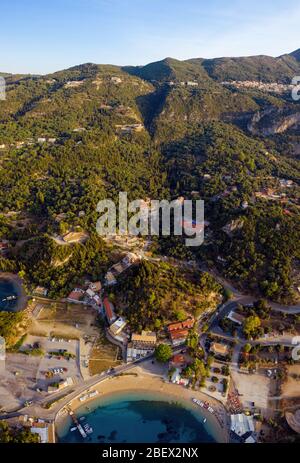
(151, 382)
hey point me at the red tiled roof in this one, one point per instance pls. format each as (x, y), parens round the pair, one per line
(175, 326)
(107, 308)
(188, 323)
(75, 295)
(178, 359)
(179, 334)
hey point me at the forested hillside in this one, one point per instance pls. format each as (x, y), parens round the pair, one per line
(224, 130)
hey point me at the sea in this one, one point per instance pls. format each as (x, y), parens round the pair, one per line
(8, 289)
(140, 418)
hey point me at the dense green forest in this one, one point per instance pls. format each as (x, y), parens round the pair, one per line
(168, 129)
(151, 295)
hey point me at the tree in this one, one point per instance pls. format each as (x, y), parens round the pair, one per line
(163, 353)
(247, 348)
(192, 341)
(251, 325)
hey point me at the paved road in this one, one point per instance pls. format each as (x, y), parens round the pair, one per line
(73, 391)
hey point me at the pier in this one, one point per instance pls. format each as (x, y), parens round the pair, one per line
(77, 424)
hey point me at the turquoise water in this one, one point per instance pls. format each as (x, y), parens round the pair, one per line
(136, 418)
(7, 289)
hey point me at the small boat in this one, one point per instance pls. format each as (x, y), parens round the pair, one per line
(73, 429)
(82, 418)
(88, 429)
(9, 298)
(204, 421)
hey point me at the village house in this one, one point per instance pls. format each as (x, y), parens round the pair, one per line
(179, 337)
(76, 296)
(243, 426)
(19, 144)
(116, 80)
(110, 279)
(178, 361)
(40, 291)
(186, 324)
(109, 311)
(45, 431)
(130, 259)
(219, 349)
(61, 385)
(236, 318)
(141, 345)
(176, 378)
(118, 326)
(96, 286)
(73, 83)
(146, 339)
(90, 293)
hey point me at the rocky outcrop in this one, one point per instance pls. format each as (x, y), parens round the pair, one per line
(272, 121)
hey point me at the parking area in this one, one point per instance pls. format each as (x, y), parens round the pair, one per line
(254, 389)
(18, 381)
(59, 362)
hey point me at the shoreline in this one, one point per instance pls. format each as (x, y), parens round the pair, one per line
(152, 385)
(22, 297)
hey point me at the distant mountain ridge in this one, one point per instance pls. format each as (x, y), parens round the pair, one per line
(261, 67)
(167, 97)
(257, 67)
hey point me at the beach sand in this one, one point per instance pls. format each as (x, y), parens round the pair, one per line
(140, 380)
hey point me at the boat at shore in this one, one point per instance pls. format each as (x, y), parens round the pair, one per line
(137, 407)
(204, 405)
(88, 429)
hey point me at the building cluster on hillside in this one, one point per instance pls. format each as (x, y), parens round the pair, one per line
(269, 194)
(90, 295)
(130, 128)
(120, 267)
(271, 87)
(179, 331)
(189, 83)
(73, 83)
(29, 142)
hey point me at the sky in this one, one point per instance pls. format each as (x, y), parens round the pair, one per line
(43, 36)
